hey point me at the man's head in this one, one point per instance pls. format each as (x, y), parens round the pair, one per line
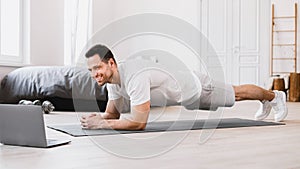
(101, 64)
(102, 51)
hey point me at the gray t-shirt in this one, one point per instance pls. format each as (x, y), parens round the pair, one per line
(143, 80)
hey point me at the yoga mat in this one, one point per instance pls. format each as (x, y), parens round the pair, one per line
(76, 130)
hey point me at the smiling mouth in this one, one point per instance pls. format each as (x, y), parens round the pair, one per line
(99, 80)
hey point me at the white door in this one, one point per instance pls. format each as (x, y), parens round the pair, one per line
(239, 33)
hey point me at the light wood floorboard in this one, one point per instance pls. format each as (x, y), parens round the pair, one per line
(251, 147)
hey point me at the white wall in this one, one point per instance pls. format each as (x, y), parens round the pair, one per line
(107, 11)
(47, 22)
(46, 34)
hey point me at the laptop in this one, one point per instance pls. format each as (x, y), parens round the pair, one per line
(23, 125)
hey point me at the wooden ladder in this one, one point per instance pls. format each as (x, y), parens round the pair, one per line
(294, 45)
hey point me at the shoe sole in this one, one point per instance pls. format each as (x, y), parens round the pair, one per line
(283, 116)
(285, 112)
(264, 116)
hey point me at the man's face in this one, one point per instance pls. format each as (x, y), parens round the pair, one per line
(100, 71)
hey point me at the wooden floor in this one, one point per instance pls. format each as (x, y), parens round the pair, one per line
(251, 147)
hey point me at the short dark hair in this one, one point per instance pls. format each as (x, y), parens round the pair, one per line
(104, 53)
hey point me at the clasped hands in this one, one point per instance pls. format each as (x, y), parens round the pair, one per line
(92, 121)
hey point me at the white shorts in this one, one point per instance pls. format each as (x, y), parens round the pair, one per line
(215, 94)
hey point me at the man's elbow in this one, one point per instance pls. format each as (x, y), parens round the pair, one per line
(138, 126)
(142, 126)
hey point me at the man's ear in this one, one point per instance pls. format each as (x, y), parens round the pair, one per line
(111, 62)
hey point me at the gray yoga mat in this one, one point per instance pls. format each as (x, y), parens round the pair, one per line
(77, 131)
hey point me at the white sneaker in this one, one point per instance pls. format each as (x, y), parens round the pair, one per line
(264, 110)
(279, 106)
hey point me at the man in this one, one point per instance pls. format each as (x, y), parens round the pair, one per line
(146, 84)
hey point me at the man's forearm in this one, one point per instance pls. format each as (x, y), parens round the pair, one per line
(111, 119)
(123, 124)
(110, 115)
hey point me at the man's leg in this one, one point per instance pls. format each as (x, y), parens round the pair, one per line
(269, 99)
(252, 92)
